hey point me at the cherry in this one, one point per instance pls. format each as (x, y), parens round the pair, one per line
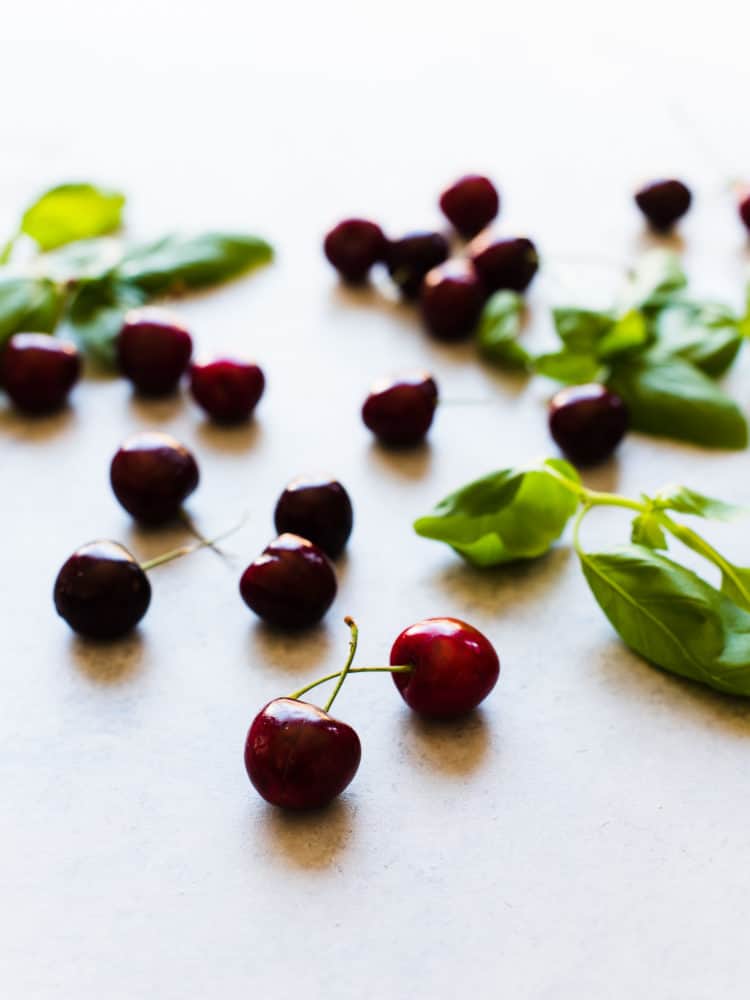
(470, 204)
(353, 246)
(587, 422)
(151, 476)
(663, 202)
(451, 300)
(454, 667)
(507, 264)
(227, 389)
(291, 584)
(743, 207)
(317, 509)
(399, 411)
(39, 371)
(101, 591)
(410, 258)
(153, 351)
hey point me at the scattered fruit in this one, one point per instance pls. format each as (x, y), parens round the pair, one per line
(153, 351)
(151, 475)
(227, 389)
(587, 422)
(411, 257)
(39, 371)
(470, 204)
(317, 509)
(663, 202)
(451, 300)
(399, 411)
(353, 246)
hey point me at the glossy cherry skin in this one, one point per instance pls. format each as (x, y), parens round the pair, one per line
(410, 258)
(151, 475)
(101, 591)
(470, 204)
(291, 584)
(451, 300)
(663, 202)
(299, 757)
(353, 246)
(399, 411)
(454, 667)
(587, 422)
(743, 208)
(38, 371)
(153, 351)
(227, 389)
(317, 509)
(505, 264)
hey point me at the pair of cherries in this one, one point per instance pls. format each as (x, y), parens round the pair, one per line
(298, 756)
(451, 293)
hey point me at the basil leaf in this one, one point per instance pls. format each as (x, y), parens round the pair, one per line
(82, 259)
(28, 304)
(736, 585)
(96, 315)
(499, 327)
(654, 282)
(178, 262)
(629, 333)
(508, 515)
(581, 329)
(646, 530)
(568, 367)
(673, 398)
(72, 212)
(687, 501)
(672, 617)
(707, 335)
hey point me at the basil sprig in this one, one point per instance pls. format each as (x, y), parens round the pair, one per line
(88, 282)
(661, 609)
(660, 350)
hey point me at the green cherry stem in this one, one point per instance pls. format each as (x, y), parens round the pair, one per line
(185, 550)
(348, 665)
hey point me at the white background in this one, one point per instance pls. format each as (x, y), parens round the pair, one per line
(586, 833)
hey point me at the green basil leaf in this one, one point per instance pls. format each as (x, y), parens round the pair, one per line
(672, 617)
(28, 305)
(72, 212)
(82, 259)
(177, 262)
(735, 584)
(673, 398)
(508, 515)
(568, 367)
(628, 334)
(646, 530)
(499, 327)
(707, 335)
(687, 501)
(96, 315)
(655, 281)
(581, 329)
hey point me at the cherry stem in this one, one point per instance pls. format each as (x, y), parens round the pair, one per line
(196, 533)
(397, 669)
(185, 550)
(348, 665)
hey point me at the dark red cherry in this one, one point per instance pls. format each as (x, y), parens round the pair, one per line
(151, 475)
(410, 258)
(38, 371)
(153, 351)
(743, 207)
(299, 757)
(451, 300)
(454, 667)
(227, 389)
(505, 264)
(317, 509)
(353, 246)
(291, 584)
(470, 204)
(587, 422)
(101, 591)
(663, 202)
(399, 411)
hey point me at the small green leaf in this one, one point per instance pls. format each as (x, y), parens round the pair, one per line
(508, 515)
(72, 212)
(687, 501)
(568, 367)
(29, 305)
(96, 315)
(673, 398)
(655, 281)
(672, 617)
(628, 334)
(735, 584)
(646, 530)
(581, 329)
(499, 327)
(708, 335)
(176, 262)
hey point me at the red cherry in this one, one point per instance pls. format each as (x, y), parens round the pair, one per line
(470, 204)
(508, 263)
(353, 246)
(151, 475)
(663, 202)
(743, 207)
(153, 350)
(399, 411)
(227, 389)
(38, 371)
(451, 300)
(299, 757)
(454, 667)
